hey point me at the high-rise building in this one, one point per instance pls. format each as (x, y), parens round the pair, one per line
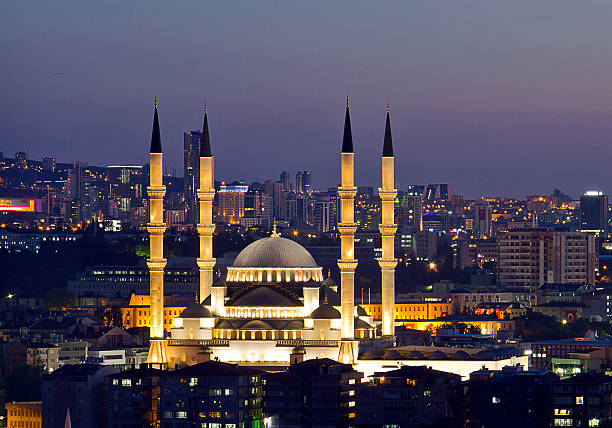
(191, 145)
(324, 214)
(306, 181)
(231, 203)
(437, 191)
(275, 190)
(416, 189)
(528, 258)
(21, 159)
(594, 212)
(457, 205)
(285, 179)
(409, 211)
(299, 182)
(48, 164)
(482, 219)
(78, 190)
(125, 186)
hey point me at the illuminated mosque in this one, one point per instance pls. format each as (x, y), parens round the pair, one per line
(274, 305)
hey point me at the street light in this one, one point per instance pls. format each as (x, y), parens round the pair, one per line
(432, 266)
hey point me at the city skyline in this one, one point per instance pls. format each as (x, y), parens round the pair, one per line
(513, 115)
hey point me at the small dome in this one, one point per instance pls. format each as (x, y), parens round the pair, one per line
(333, 297)
(438, 355)
(361, 324)
(416, 355)
(298, 350)
(274, 252)
(329, 282)
(361, 312)
(325, 312)
(392, 354)
(460, 355)
(196, 311)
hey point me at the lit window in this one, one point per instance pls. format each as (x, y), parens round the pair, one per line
(580, 400)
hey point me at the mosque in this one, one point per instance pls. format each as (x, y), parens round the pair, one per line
(274, 307)
(274, 304)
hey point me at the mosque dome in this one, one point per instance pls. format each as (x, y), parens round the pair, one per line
(325, 312)
(196, 311)
(274, 252)
(274, 259)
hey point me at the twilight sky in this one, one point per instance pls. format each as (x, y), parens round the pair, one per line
(494, 97)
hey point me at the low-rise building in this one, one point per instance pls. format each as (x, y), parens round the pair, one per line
(212, 393)
(410, 396)
(582, 401)
(319, 392)
(544, 352)
(510, 397)
(133, 398)
(23, 414)
(79, 388)
(413, 310)
(501, 310)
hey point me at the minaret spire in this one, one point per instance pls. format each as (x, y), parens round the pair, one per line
(156, 261)
(205, 143)
(347, 139)
(348, 345)
(388, 141)
(206, 194)
(156, 146)
(387, 228)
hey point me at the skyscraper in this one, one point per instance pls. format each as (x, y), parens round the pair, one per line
(285, 179)
(306, 181)
(594, 212)
(299, 182)
(78, 190)
(125, 186)
(410, 211)
(457, 205)
(48, 164)
(21, 159)
(191, 146)
(528, 258)
(482, 219)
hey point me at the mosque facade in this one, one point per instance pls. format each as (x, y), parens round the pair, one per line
(274, 304)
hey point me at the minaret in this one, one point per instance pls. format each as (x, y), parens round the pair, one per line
(156, 261)
(347, 263)
(206, 194)
(387, 228)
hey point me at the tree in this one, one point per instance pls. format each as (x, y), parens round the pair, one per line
(58, 298)
(24, 383)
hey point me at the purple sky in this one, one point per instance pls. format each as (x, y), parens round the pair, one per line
(496, 98)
